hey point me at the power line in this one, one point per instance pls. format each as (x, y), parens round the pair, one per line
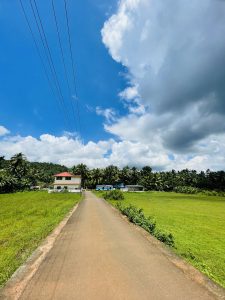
(39, 53)
(73, 65)
(36, 46)
(60, 45)
(49, 57)
(45, 44)
(63, 58)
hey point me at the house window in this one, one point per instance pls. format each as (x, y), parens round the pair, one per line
(68, 178)
(59, 178)
(58, 187)
(65, 187)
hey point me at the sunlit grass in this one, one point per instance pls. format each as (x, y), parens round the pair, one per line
(197, 223)
(25, 219)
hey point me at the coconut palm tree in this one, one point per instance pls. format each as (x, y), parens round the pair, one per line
(18, 165)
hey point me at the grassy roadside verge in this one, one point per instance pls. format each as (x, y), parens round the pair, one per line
(25, 220)
(197, 223)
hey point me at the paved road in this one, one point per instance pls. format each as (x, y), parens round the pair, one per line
(100, 256)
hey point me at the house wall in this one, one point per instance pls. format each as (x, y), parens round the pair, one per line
(69, 186)
(74, 180)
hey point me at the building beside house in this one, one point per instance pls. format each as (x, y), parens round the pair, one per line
(120, 186)
(135, 188)
(67, 181)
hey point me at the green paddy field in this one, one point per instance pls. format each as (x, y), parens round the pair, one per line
(197, 223)
(25, 220)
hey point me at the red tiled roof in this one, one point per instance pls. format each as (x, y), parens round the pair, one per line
(66, 174)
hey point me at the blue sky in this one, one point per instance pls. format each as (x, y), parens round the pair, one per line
(149, 76)
(27, 104)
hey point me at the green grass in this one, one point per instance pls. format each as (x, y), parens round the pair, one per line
(197, 223)
(26, 218)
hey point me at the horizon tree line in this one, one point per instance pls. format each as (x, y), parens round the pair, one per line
(18, 174)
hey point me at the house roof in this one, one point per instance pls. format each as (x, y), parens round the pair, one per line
(66, 174)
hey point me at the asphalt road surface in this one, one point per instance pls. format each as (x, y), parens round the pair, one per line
(99, 255)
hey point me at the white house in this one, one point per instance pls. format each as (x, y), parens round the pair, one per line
(67, 181)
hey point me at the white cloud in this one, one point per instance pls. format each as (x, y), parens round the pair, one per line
(3, 131)
(131, 100)
(129, 93)
(175, 56)
(70, 151)
(108, 113)
(174, 53)
(49, 148)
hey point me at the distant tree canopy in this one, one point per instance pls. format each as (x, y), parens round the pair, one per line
(18, 174)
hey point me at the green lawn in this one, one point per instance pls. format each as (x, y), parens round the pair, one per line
(25, 219)
(197, 223)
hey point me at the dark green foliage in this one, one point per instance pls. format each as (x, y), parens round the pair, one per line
(19, 174)
(152, 181)
(193, 190)
(8, 183)
(136, 216)
(165, 238)
(213, 193)
(111, 174)
(45, 171)
(186, 190)
(82, 170)
(113, 195)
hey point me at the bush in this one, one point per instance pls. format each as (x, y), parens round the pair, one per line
(136, 216)
(193, 190)
(213, 193)
(186, 190)
(113, 195)
(165, 238)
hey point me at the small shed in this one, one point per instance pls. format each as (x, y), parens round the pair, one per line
(135, 188)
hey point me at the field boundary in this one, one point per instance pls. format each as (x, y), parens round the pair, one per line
(20, 278)
(216, 290)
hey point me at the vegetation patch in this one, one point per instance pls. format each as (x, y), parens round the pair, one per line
(193, 190)
(26, 218)
(113, 195)
(136, 216)
(196, 222)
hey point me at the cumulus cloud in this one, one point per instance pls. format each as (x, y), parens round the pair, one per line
(70, 151)
(131, 100)
(108, 113)
(3, 131)
(129, 93)
(49, 148)
(174, 51)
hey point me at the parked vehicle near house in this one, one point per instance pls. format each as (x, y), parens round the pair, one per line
(104, 187)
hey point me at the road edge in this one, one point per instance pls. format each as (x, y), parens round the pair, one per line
(20, 278)
(194, 274)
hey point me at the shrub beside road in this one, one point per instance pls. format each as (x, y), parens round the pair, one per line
(196, 222)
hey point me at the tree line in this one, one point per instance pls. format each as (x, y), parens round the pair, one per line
(18, 174)
(179, 181)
